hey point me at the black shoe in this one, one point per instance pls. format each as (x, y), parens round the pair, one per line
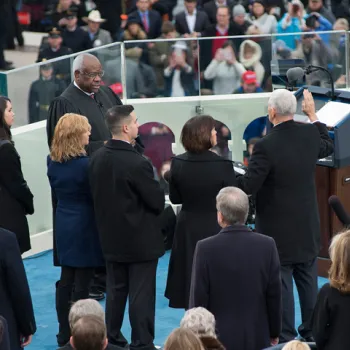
(9, 63)
(309, 339)
(7, 67)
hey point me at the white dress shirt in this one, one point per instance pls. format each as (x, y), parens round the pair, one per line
(191, 20)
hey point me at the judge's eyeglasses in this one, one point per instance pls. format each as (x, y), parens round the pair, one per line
(94, 74)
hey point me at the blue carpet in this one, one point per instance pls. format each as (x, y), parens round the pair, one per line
(42, 277)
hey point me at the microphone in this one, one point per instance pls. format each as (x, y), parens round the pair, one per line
(339, 210)
(296, 73)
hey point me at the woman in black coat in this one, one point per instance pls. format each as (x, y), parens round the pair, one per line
(16, 200)
(196, 177)
(15, 300)
(331, 321)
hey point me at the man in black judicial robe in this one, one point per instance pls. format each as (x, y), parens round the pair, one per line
(281, 173)
(84, 96)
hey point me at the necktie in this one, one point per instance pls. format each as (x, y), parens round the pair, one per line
(92, 96)
(144, 22)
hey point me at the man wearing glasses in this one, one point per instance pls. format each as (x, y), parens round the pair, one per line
(88, 97)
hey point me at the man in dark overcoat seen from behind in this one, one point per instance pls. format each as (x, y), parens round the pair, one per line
(236, 276)
(281, 174)
(128, 201)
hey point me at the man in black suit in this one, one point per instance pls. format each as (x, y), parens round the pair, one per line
(191, 21)
(281, 174)
(150, 19)
(236, 276)
(210, 7)
(128, 201)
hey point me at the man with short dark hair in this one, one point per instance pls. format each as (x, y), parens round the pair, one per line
(191, 22)
(236, 276)
(89, 333)
(128, 201)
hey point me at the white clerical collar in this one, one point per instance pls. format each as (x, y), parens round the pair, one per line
(86, 93)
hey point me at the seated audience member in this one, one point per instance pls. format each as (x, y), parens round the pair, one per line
(296, 345)
(191, 22)
(261, 18)
(179, 75)
(98, 36)
(314, 22)
(211, 7)
(239, 17)
(73, 36)
(55, 49)
(318, 6)
(224, 70)
(150, 19)
(250, 54)
(82, 308)
(331, 322)
(159, 50)
(220, 31)
(89, 333)
(313, 51)
(292, 22)
(134, 31)
(15, 299)
(183, 339)
(249, 84)
(248, 314)
(202, 323)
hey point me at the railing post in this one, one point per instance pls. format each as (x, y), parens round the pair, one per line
(3, 84)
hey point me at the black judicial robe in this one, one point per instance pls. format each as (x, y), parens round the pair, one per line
(73, 100)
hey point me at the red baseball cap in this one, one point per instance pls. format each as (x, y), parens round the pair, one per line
(249, 77)
(117, 88)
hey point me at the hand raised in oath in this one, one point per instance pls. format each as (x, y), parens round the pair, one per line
(308, 106)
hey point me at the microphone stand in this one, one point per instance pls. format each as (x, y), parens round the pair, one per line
(309, 69)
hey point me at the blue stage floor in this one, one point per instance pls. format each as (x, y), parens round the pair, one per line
(42, 277)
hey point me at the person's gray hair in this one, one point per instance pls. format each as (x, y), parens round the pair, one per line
(284, 102)
(233, 204)
(85, 307)
(200, 321)
(78, 63)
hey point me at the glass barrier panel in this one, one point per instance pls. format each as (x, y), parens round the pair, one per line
(325, 49)
(31, 89)
(235, 65)
(162, 68)
(33, 150)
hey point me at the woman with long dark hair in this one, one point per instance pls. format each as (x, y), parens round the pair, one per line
(16, 199)
(196, 177)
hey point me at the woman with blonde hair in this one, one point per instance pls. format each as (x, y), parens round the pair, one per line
(77, 241)
(182, 339)
(296, 345)
(331, 321)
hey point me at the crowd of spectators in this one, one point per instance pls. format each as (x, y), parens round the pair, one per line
(186, 64)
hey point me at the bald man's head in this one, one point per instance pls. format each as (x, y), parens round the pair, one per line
(88, 72)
